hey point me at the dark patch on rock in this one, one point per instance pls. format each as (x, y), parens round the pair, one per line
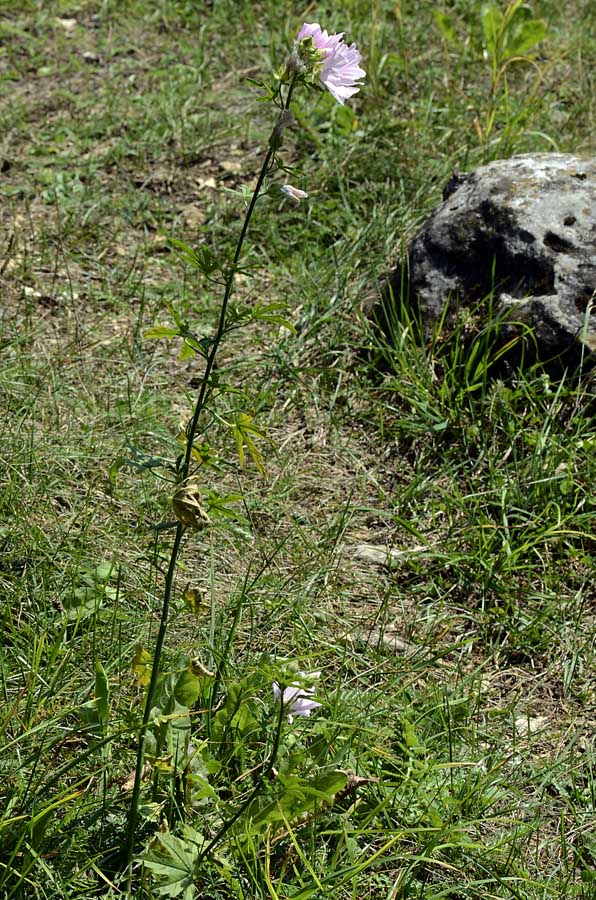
(557, 243)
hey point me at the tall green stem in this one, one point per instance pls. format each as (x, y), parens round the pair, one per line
(161, 634)
(183, 474)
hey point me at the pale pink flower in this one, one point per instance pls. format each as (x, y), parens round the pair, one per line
(293, 193)
(296, 699)
(340, 71)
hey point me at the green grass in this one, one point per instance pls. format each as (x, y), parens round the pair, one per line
(456, 678)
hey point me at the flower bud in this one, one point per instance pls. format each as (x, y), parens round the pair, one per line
(294, 194)
(306, 56)
(294, 65)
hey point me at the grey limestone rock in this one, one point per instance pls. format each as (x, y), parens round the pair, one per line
(523, 232)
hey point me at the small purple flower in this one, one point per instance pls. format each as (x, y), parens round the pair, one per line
(296, 699)
(339, 67)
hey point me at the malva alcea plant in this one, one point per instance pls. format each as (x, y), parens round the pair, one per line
(317, 60)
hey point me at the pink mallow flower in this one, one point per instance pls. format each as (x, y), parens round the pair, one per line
(340, 70)
(296, 699)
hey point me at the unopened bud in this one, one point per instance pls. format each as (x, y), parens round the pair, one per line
(294, 65)
(293, 193)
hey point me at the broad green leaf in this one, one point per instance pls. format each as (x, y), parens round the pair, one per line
(524, 36)
(188, 688)
(492, 26)
(141, 665)
(177, 734)
(291, 798)
(187, 352)
(174, 865)
(161, 331)
(103, 572)
(411, 739)
(198, 345)
(445, 26)
(86, 599)
(237, 718)
(175, 693)
(511, 9)
(197, 775)
(329, 783)
(199, 788)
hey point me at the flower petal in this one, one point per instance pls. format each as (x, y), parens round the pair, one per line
(293, 193)
(297, 700)
(341, 72)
